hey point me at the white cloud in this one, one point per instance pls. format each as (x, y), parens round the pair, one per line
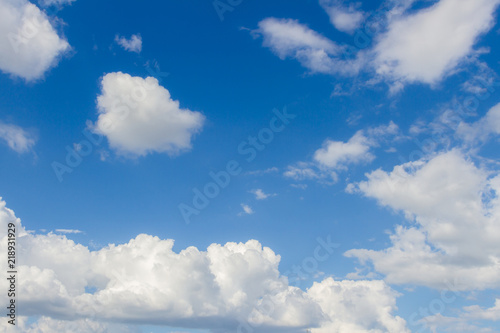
(30, 44)
(476, 312)
(133, 44)
(262, 172)
(49, 325)
(290, 39)
(344, 18)
(69, 231)
(455, 207)
(246, 209)
(440, 323)
(365, 303)
(462, 323)
(483, 128)
(138, 117)
(338, 155)
(144, 281)
(16, 138)
(423, 46)
(430, 44)
(47, 3)
(261, 195)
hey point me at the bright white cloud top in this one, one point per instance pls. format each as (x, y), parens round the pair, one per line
(227, 287)
(454, 204)
(427, 46)
(30, 44)
(138, 117)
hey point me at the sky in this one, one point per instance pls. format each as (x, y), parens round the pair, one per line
(251, 166)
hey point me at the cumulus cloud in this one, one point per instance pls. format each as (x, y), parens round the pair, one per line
(440, 323)
(138, 116)
(367, 303)
(453, 204)
(338, 155)
(225, 287)
(288, 38)
(430, 44)
(133, 44)
(344, 18)
(31, 45)
(16, 138)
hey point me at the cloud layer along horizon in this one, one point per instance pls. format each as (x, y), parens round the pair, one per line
(226, 287)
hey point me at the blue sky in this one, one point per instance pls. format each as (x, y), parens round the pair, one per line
(355, 145)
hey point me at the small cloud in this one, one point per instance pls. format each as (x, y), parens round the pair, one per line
(103, 155)
(134, 44)
(262, 172)
(260, 195)
(246, 210)
(301, 171)
(345, 19)
(299, 186)
(16, 138)
(339, 90)
(359, 275)
(336, 156)
(69, 231)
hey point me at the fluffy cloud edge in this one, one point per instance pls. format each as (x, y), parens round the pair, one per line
(226, 287)
(17, 138)
(32, 45)
(139, 117)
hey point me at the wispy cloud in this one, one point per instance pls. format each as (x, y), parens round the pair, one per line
(133, 44)
(69, 231)
(16, 138)
(261, 195)
(246, 210)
